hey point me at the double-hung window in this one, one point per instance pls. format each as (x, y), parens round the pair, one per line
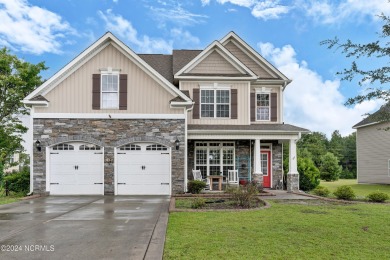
(215, 102)
(263, 107)
(110, 91)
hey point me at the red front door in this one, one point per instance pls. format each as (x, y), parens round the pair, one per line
(266, 168)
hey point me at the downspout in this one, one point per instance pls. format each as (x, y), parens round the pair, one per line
(186, 145)
(30, 140)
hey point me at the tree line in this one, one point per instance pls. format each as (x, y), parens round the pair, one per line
(323, 158)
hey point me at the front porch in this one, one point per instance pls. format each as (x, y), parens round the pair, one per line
(254, 151)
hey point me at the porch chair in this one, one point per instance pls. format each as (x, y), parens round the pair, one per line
(232, 177)
(197, 174)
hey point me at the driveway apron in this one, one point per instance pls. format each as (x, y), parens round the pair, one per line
(84, 227)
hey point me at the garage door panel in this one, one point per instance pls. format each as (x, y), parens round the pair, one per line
(143, 172)
(75, 172)
(143, 179)
(143, 189)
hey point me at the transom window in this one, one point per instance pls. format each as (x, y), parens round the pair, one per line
(214, 158)
(156, 147)
(130, 147)
(89, 147)
(63, 147)
(215, 103)
(110, 91)
(263, 106)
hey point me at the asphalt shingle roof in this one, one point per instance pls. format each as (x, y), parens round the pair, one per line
(254, 127)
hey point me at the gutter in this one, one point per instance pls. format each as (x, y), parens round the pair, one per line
(186, 145)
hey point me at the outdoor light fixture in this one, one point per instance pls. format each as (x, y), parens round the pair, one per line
(38, 145)
(177, 143)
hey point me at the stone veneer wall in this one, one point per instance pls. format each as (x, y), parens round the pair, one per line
(277, 163)
(109, 133)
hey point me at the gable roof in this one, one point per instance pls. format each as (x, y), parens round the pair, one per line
(246, 73)
(91, 51)
(254, 55)
(380, 116)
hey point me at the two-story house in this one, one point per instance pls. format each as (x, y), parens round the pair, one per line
(115, 122)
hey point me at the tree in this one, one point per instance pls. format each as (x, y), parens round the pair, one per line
(330, 169)
(315, 144)
(309, 175)
(336, 144)
(348, 159)
(362, 72)
(17, 79)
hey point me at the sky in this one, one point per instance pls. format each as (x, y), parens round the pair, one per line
(286, 33)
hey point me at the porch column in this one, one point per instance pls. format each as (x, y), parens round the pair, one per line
(258, 174)
(293, 175)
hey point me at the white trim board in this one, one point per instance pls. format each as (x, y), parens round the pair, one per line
(108, 116)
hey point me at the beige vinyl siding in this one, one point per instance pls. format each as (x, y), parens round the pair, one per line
(242, 100)
(270, 89)
(373, 153)
(214, 63)
(144, 94)
(249, 62)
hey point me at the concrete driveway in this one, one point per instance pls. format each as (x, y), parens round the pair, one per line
(84, 227)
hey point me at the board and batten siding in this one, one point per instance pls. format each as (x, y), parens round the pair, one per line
(144, 94)
(373, 154)
(249, 62)
(214, 63)
(242, 104)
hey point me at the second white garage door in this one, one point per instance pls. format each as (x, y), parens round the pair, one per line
(143, 169)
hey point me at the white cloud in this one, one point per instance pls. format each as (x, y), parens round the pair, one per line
(327, 12)
(205, 2)
(30, 28)
(124, 29)
(310, 101)
(262, 9)
(173, 12)
(184, 37)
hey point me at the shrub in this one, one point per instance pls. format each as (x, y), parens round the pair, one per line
(321, 191)
(196, 186)
(348, 174)
(309, 175)
(345, 193)
(377, 196)
(330, 168)
(19, 182)
(243, 195)
(198, 203)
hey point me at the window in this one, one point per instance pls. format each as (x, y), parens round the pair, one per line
(214, 158)
(63, 147)
(110, 91)
(88, 147)
(130, 147)
(156, 147)
(215, 103)
(262, 107)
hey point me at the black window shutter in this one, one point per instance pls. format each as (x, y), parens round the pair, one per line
(122, 91)
(234, 111)
(253, 107)
(196, 99)
(274, 107)
(96, 91)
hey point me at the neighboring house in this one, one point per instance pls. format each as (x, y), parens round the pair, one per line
(13, 159)
(116, 122)
(373, 148)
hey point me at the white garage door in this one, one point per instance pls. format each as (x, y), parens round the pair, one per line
(143, 169)
(76, 169)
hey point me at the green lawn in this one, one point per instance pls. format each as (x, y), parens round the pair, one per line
(284, 231)
(9, 199)
(361, 190)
